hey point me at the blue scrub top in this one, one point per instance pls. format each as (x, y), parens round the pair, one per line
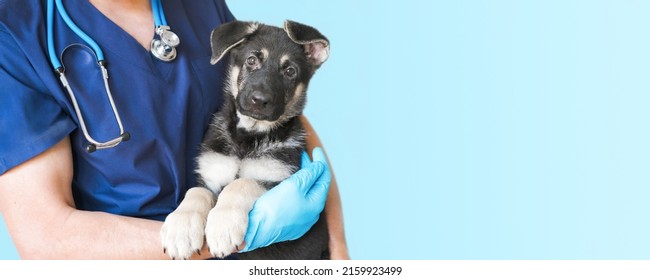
(165, 106)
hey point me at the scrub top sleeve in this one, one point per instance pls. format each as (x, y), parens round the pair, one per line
(31, 121)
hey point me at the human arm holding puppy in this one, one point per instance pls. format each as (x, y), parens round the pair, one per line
(274, 217)
(36, 201)
(40, 159)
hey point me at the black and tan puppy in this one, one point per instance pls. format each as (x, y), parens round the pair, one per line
(254, 142)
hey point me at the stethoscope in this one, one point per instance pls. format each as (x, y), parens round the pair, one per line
(163, 49)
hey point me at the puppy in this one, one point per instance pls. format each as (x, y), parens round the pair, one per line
(254, 141)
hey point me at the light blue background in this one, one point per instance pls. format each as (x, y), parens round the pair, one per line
(483, 129)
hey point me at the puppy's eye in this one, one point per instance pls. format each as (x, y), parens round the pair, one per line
(251, 60)
(290, 72)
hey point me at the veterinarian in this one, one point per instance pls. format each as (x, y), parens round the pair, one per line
(90, 164)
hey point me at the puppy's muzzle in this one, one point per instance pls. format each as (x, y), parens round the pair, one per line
(258, 105)
(259, 101)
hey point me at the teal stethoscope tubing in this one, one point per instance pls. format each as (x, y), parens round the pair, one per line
(158, 15)
(159, 19)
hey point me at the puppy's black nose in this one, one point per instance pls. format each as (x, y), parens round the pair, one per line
(259, 99)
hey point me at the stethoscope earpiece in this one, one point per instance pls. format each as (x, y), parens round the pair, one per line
(126, 136)
(91, 148)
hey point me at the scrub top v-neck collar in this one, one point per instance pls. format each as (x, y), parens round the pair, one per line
(114, 40)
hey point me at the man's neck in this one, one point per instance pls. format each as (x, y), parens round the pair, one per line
(133, 16)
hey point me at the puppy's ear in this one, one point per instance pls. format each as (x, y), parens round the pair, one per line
(228, 35)
(317, 47)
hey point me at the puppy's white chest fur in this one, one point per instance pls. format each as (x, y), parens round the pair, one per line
(264, 169)
(218, 170)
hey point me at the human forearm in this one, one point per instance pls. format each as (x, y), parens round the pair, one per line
(334, 214)
(37, 204)
(90, 235)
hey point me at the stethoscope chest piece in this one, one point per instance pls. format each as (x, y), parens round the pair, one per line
(165, 47)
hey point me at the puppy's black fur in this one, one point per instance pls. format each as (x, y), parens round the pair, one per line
(269, 71)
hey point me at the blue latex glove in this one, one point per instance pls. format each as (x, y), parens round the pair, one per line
(290, 209)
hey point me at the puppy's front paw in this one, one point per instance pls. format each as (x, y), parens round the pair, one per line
(182, 233)
(225, 229)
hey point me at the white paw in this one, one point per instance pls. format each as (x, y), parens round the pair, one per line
(182, 233)
(225, 229)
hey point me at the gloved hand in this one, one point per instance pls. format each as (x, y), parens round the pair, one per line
(290, 209)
